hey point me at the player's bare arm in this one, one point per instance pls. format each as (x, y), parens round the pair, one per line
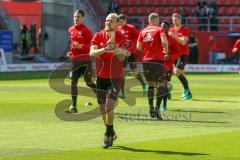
(182, 40)
(139, 46)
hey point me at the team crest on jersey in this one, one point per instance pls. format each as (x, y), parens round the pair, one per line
(79, 34)
(147, 38)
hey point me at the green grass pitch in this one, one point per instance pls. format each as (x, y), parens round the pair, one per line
(206, 127)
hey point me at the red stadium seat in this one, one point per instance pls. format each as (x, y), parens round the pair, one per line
(236, 28)
(236, 20)
(162, 2)
(193, 20)
(230, 2)
(122, 2)
(237, 3)
(232, 11)
(175, 10)
(159, 11)
(140, 2)
(124, 10)
(131, 2)
(194, 2)
(186, 3)
(176, 3)
(132, 11)
(220, 2)
(141, 10)
(222, 11)
(167, 11)
(224, 20)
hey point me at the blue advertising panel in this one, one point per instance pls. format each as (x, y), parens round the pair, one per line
(6, 41)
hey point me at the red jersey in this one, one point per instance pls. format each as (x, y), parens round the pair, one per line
(150, 38)
(131, 33)
(83, 36)
(107, 64)
(183, 31)
(237, 45)
(173, 51)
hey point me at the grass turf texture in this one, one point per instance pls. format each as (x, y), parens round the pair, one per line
(206, 127)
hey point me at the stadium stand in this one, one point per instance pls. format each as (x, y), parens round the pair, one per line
(228, 11)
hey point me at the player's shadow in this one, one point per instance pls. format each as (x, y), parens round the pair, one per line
(214, 100)
(157, 151)
(194, 111)
(207, 100)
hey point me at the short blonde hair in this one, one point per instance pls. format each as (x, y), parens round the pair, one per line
(115, 15)
(177, 15)
(152, 16)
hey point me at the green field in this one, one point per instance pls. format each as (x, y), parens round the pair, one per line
(204, 128)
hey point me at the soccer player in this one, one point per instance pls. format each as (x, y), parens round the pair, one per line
(81, 37)
(153, 44)
(173, 51)
(106, 47)
(131, 33)
(181, 35)
(236, 47)
(236, 50)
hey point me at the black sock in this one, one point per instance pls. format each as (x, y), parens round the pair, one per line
(161, 93)
(150, 96)
(184, 81)
(166, 97)
(74, 93)
(109, 130)
(122, 86)
(165, 100)
(139, 77)
(92, 86)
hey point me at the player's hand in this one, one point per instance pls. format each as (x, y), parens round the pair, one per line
(173, 35)
(120, 51)
(166, 57)
(76, 45)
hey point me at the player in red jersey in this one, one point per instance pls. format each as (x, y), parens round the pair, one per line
(236, 50)
(181, 35)
(81, 37)
(131, 33)
(153, 44)
(236, 47)
(107, 47)
(173, 51)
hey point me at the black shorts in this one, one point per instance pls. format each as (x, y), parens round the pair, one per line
(132, 61)
(79, 68)
(154, 71)
(181, 62)
(107, 88)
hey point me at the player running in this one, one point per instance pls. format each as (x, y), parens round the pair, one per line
(131, 33)
(173, 51)
(81, 37)
(181, 35)
(106, 47)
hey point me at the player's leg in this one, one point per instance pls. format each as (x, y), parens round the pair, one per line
(88, 77)
(74, 76)
(111, 99)
(162, 90)
(166, 97)
(102, 87)
(179, 72)
(148, 69)
(135, 73)
(122, 88)
(122, 91)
